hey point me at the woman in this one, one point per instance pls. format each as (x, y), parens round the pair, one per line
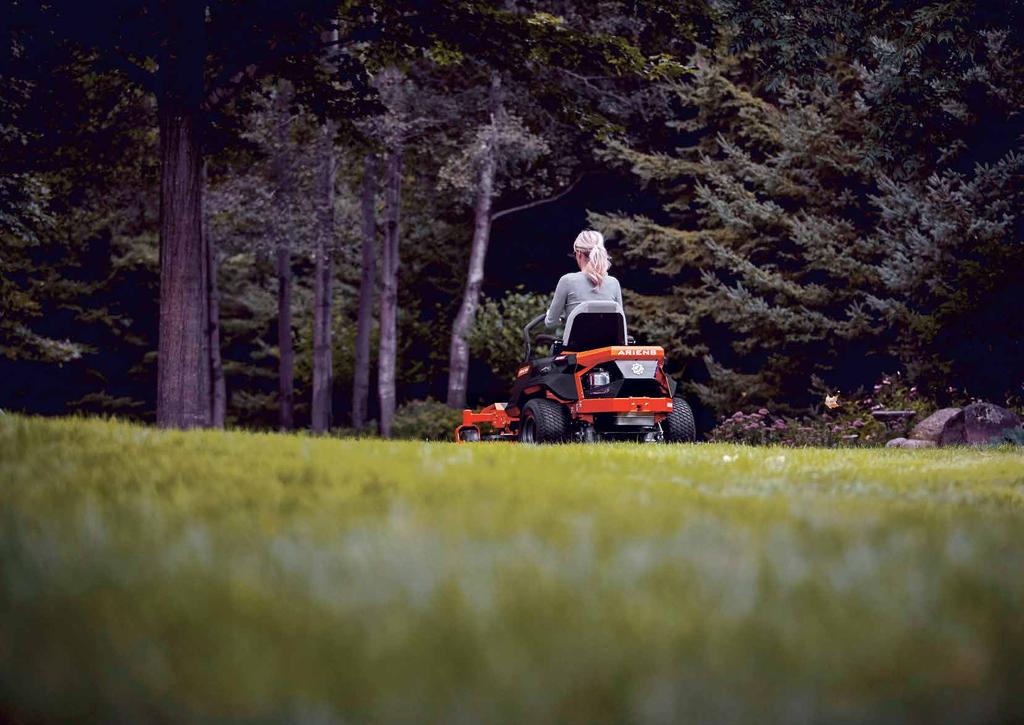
(592, 282)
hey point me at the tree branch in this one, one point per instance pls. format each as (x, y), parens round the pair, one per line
(135, 72)
(588, 81)
(581, 77)
(539, 202)
(224, 89)
(230, 81)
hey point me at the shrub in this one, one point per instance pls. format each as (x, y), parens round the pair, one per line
(764, 428)
(850, 424)
(497, 336)
(427, 420)
(370, 429)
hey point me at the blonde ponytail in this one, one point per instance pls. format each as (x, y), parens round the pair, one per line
(590, 244)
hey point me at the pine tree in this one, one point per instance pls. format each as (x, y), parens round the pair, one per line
(810, 242)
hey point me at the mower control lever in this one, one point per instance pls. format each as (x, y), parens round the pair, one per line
(526, 333)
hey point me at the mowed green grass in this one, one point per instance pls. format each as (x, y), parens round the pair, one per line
(208, 576)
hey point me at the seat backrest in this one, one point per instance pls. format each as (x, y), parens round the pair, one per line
(593, 324)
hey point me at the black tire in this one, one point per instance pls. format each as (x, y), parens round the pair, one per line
(679, 426)
(469, 435)
(544, 421)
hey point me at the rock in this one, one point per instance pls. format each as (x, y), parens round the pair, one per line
(985, 421)
(975, 425)
(932, 427)
(891, 417)
(909, 443)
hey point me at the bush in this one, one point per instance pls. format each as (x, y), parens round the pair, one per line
(427, 420)
(497, 336)
(763, 428)
(370, 429)
(849, 424)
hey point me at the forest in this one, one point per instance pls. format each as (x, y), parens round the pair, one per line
(267, 438)
(316, 214)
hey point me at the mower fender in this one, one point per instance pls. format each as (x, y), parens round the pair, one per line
(562, 384)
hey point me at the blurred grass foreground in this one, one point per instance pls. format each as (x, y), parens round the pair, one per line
(209, 576)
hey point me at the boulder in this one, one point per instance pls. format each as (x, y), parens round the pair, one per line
(909, 443)
(932, 427)
(892, 418)
(985, 421)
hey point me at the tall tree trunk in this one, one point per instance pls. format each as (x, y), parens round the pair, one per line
(285, 192)
(322, 358)
(285, 350)
(218, 392)
(458, 352)
(367, 280)
(323, 364)
(390, 261)
(183, 356)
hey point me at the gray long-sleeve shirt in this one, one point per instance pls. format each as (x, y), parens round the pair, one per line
(575, 288)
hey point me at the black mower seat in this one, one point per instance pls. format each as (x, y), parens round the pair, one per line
(594, 324)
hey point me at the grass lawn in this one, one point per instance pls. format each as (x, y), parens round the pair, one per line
(148, 575)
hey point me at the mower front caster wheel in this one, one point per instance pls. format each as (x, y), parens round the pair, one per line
(469, 435)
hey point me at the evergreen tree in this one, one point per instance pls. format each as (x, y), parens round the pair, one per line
(811, 242)
(76, 243)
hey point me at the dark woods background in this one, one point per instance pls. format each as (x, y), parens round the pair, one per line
(797, 197)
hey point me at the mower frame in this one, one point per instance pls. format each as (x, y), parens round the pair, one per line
(562, 378)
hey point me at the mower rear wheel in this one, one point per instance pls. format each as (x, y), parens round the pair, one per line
(544, 421)
(679, 426)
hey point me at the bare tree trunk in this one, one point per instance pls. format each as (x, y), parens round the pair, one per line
(183, 357)
(458, 367)
(389, 292)
(458, 354)
(323, 364)
(283, 253)
(322, 358)
(285, 349)
(367, 279)
(218, 392)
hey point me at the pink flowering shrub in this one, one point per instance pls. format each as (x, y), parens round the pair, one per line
(850, 424)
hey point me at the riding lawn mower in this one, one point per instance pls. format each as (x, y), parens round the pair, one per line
(596, 384)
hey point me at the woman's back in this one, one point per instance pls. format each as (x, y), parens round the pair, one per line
(575, 288)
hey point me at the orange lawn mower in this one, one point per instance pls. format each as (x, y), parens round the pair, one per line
(597, 384)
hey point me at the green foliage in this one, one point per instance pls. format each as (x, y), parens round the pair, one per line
(79, 196)
(27, 230)
(264, 577)
(810, 231)
(841, 186)
(851, 423)
(497, 336)
(951, 243)
(756, 428)
(427, 420)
